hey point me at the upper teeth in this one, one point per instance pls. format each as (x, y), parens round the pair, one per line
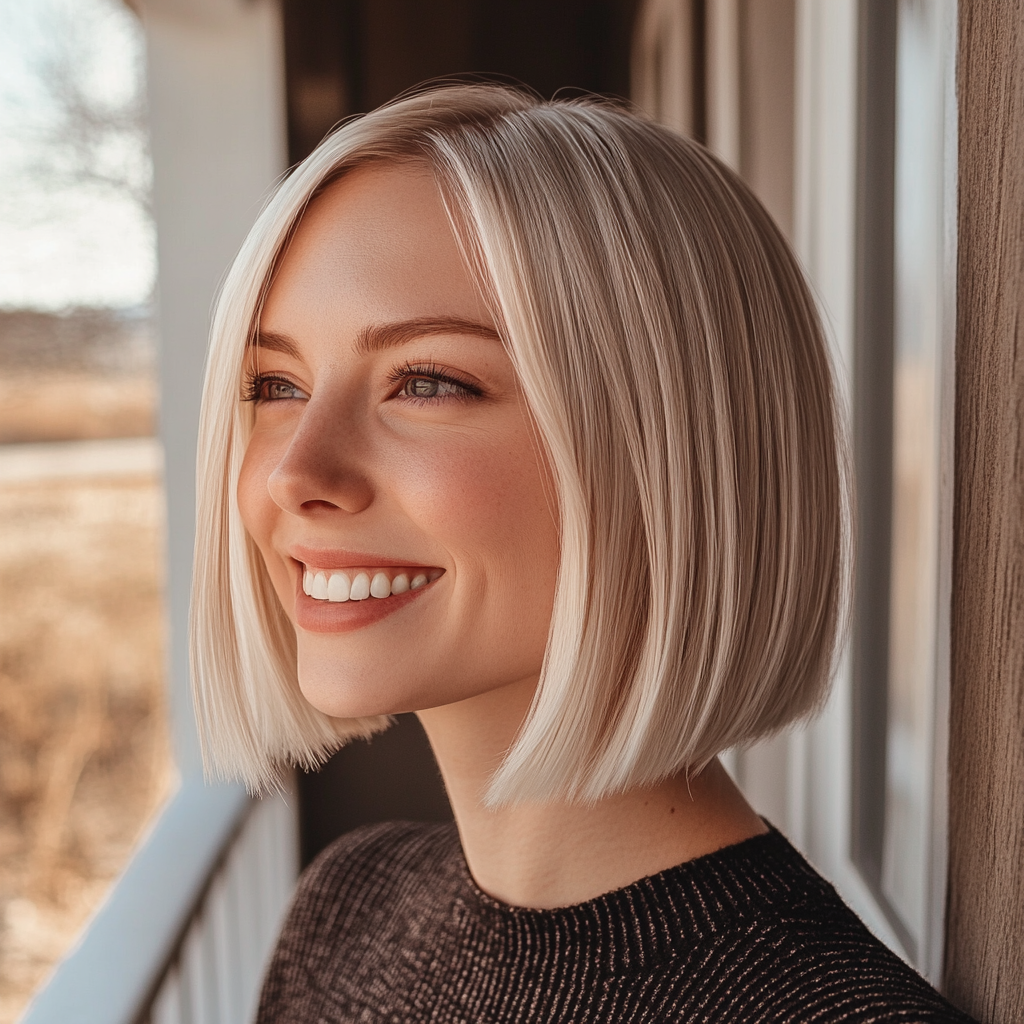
(357, 584)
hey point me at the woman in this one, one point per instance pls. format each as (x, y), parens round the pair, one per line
(519, 416)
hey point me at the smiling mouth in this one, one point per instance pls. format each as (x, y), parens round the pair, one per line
(359, 584)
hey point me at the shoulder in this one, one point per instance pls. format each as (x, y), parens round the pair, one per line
(354, 902)
(823, 959)
(803, 954)
(370, 867)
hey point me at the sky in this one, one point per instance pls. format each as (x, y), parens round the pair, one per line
(70, 234)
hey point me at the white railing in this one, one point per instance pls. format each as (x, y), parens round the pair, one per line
(216, 974)
(184, 936)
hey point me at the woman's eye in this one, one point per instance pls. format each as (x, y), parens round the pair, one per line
(271, 389)
(434, 387)
(423, 387)
(274, 389)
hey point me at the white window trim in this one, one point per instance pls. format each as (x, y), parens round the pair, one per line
(820, 756)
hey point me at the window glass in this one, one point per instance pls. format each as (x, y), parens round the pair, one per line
(899, 426)
(84, 751)
(915, 459)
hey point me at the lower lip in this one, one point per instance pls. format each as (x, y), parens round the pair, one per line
(345, 616)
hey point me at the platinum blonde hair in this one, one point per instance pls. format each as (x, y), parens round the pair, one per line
(675, 366)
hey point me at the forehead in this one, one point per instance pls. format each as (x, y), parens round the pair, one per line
(376, 246)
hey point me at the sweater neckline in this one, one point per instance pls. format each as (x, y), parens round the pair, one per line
(654, 917)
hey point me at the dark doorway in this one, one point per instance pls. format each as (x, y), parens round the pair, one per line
(392, 777)
(347, 56)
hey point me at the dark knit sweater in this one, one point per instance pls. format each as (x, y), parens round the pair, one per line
(388, 925)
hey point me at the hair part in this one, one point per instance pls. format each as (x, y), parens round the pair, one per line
(678, 376)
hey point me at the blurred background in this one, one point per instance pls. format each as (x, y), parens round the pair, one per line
(84, 752)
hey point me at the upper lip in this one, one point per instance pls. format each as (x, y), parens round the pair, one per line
(338, 558)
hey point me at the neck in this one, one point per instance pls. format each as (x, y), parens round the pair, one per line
(556, 854)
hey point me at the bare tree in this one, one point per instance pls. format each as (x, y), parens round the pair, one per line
(91, 133)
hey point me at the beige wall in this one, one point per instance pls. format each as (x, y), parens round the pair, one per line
(216, 95)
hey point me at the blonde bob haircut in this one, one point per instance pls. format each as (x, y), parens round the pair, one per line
(676, 370)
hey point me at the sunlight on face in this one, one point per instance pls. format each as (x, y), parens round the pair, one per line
(392, 481)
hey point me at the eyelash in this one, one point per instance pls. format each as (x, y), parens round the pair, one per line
(254, 383)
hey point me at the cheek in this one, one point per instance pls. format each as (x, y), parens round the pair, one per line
(258, 510)
(490, 504)
(252, 493)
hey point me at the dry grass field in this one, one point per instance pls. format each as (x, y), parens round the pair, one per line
(59, 406)
(84, 753)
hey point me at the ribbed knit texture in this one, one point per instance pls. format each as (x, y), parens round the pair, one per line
(388, 925)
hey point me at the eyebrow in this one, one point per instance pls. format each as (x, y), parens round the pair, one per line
(377, 337)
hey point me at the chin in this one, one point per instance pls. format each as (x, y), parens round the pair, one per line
(345, 692)
(340, 697)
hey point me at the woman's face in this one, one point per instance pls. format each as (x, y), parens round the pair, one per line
(392, 454)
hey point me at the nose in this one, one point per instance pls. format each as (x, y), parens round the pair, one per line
(324, 466)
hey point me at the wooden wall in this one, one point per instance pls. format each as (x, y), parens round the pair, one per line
(985, 922)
